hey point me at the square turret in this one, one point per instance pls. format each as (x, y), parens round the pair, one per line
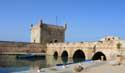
(47, 33)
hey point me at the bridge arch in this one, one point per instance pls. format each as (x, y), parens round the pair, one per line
(79, 54)
(55, 54)
(98, 55)
(64, 56)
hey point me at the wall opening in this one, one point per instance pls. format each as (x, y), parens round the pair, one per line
(56, 41)
(78, 56)
(43, 51)
(55, 55)
(34, 41)
(50, 41)
(64, 56)
(108, 39)
(99, 56)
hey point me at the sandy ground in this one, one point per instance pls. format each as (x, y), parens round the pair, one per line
(106, 68)
(91, 67)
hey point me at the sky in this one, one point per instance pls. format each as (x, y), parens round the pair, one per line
(87, 20)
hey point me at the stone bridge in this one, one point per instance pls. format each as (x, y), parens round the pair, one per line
(103, 49)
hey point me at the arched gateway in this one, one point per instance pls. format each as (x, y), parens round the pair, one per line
(78, 55)
(103, 49)
(64, 56)
(99, 56)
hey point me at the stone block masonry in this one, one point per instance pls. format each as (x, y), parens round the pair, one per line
(47, 33)
(7, 46)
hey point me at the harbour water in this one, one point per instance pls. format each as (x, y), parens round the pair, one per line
(9, 63)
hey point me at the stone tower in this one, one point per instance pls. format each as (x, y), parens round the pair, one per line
(46, 33)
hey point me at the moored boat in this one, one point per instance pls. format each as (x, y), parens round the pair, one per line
(29, 55)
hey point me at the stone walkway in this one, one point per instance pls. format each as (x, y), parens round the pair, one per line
(91, 67)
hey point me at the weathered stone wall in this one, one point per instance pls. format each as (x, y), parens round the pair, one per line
(35, 34)
(47, 33)
(6, 46)
(107, 47)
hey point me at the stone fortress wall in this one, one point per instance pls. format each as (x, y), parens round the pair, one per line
(41, 34)
(50, 38)
(47, 33)
(19, 47)
(106, 47)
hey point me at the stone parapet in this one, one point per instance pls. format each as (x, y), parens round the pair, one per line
(6, 46)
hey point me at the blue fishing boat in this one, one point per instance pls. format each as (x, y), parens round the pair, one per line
(25, 56)
(63, 64)
(89, 60)
(30, 56)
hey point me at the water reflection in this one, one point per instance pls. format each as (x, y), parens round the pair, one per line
(8, 62)
(55, 57)
(64, 59)
(11, 61)
(78, 60)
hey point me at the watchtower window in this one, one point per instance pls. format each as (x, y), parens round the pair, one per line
(108, 39)
(55, 41)
(34, 41)
(50, 41)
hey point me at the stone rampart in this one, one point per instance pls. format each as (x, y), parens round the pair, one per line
(6, 46)
(106, 48)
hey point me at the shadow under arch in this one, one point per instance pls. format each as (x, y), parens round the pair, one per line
(78, 56)
(98, 55)
(55, 55)
(64, 56)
